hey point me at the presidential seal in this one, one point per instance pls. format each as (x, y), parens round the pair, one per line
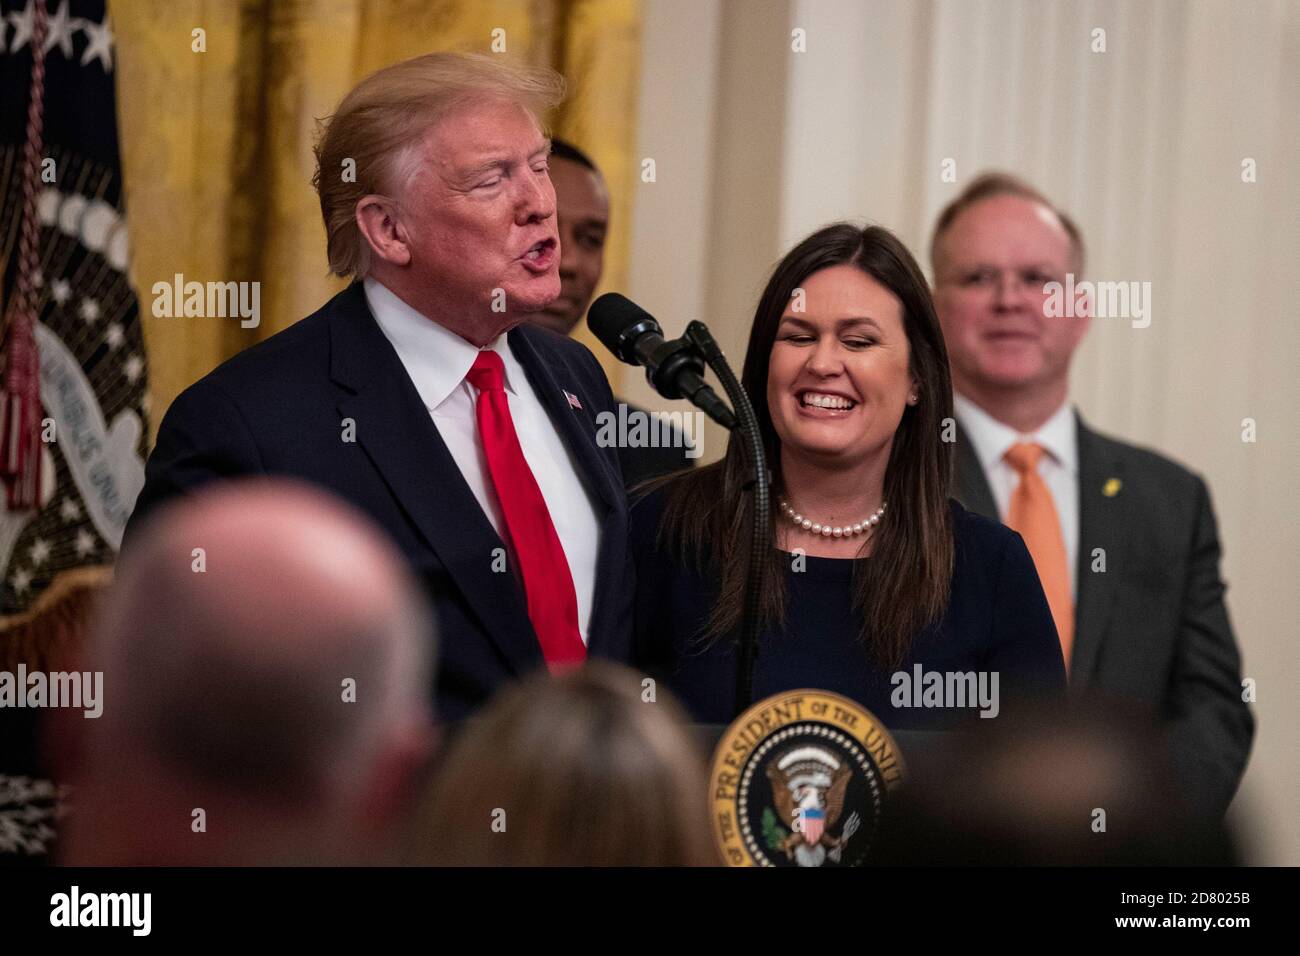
(800, 779)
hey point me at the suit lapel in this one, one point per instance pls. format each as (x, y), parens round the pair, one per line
(551, 380)
(1103, 523)
(396, 432)
(972, 485)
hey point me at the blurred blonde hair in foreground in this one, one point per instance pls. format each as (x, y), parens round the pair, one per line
(572, 770)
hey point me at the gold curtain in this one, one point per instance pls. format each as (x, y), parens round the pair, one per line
(216, 145)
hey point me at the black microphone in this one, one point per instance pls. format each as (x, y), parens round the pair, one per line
(673, 368)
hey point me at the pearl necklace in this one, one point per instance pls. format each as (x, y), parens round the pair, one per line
(830, 531)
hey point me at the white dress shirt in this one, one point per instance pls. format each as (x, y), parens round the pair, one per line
(438, 360)
(1059, 467)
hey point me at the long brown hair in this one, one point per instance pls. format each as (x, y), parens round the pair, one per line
(707, 511)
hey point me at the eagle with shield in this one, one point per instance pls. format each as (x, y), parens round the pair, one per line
(809, 784)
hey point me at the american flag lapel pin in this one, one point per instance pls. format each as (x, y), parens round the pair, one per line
(573, 400)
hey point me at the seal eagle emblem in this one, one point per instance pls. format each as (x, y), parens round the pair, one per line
(800, 779)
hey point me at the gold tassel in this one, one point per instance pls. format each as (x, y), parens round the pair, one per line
(53, 630)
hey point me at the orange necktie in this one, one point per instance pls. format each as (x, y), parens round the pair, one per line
(1033, 514)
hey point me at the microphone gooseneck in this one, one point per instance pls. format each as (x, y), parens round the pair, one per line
(675, 369)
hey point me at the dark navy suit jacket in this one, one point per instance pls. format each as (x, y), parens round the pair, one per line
(997, 621)
(279, 408)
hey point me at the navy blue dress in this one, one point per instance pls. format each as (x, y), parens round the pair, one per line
(997, 622)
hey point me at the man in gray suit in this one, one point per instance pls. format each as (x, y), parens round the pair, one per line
(1125, 540)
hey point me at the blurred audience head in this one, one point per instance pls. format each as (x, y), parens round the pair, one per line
(582, 213)
(995, 248)
(432, 178)
(267, 664)
(575, 770)
(1091, 784)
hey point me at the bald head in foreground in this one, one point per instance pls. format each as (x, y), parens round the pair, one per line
(267, 664)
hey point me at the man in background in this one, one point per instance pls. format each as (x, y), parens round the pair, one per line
(266, 671)
(1124, 540)
(582, 214)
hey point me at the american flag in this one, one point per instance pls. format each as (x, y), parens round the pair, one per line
(84, 322)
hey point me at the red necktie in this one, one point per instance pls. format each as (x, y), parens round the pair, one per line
(548, 585)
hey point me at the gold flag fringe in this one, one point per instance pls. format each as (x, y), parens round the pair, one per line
(54, 628)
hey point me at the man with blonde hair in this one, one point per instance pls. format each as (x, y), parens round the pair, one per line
(420, 394)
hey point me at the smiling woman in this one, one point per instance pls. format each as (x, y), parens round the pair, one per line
(839, 378)
(875, 570)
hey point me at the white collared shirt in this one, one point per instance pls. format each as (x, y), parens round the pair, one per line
(438, 360)
(1059, 467)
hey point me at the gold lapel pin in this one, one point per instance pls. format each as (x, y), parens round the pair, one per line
(1111, 488)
